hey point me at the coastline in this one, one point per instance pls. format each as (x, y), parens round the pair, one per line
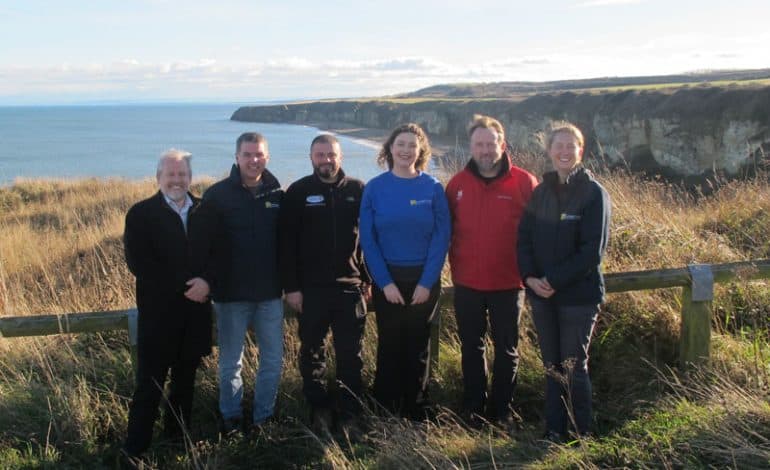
(442, 147)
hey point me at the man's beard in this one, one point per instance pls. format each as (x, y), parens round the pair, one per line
(327, 171)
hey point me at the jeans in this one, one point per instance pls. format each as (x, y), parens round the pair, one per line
(266, 319)
(471, 310)
(564, 333)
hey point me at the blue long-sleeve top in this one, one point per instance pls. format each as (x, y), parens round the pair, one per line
(404, 222)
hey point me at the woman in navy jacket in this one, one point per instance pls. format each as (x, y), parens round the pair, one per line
(562, 240)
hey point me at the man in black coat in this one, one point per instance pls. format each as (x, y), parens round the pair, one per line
(174, 331)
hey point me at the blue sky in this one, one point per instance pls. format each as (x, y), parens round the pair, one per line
(54, 52)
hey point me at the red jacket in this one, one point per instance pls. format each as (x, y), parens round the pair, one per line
(485, 221)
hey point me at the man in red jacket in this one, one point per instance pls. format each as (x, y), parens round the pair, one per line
(487, 200)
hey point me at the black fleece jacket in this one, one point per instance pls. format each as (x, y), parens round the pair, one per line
(319, 234)
(563, 236)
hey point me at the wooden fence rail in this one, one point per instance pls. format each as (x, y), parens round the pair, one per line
(696, 282)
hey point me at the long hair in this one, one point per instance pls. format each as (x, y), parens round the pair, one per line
(385, 157)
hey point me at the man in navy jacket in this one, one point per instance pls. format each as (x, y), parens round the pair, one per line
(236, 258)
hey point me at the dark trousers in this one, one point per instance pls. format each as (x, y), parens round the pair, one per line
(503, 308)
(343, 310)
(403, 350)
(151, 376)
(564, 333)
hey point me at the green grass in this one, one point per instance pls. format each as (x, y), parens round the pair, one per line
(64, 399)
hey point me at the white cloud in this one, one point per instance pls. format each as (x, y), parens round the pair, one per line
(606, 3)
(300, 77)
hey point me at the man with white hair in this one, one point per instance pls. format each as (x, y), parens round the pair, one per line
(174, 332)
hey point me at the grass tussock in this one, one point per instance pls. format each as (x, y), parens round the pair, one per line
(63, 399)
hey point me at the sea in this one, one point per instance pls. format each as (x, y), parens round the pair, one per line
(125, 141)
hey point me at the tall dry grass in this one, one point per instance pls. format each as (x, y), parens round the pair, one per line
(63, 399)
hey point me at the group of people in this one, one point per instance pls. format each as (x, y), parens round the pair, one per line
(329, 244)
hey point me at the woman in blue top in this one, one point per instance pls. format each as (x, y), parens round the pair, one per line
(404, 228)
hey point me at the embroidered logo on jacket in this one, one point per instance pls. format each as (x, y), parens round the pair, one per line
(420, 202)
(271, 205)
(459, 195)
(565, 216)
(505, 196)
(315, 198)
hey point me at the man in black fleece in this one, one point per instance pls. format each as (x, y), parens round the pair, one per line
(324, 278)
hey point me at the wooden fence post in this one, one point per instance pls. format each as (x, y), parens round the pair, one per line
(695, 336)
(132, 318)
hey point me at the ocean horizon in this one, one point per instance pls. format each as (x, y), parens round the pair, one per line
(125, 141)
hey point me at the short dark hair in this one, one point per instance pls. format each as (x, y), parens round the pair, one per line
(255, 137)
(324, 139)
(386, 158)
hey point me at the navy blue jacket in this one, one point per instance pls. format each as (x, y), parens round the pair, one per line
(563, 236)
(236, 249)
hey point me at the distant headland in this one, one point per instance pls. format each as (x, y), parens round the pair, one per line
(689, 125)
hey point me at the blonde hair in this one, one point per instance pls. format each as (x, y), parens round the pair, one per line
(558, 127)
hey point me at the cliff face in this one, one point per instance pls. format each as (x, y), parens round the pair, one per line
(686, 133)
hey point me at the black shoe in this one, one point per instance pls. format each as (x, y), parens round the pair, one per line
(322, 420)
(128, 460)
(351, 429)
(507, 424)
(473, 421)
(552, 437)
(232, 425)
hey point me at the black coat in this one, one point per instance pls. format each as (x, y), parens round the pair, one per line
(156, 249)
(563, 236)
(319, 234)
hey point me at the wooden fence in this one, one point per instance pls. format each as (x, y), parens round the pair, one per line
(697, 283)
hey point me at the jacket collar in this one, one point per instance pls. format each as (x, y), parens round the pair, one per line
(161, 199)
(505, 168)
(578, 174)
(269, 182)
(337, 184)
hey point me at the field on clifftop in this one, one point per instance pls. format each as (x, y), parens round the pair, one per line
(63, 399)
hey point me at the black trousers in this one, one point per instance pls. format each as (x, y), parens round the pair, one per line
(343, 310)
(472, 307)
(162, 347)
(403, 350)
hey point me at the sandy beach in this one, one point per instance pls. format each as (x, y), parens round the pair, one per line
(442, 147)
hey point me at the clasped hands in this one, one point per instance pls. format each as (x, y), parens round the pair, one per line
(393, 295)
(198, 291)
(540, 286)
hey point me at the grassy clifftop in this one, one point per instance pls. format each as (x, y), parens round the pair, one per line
(63, 400)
